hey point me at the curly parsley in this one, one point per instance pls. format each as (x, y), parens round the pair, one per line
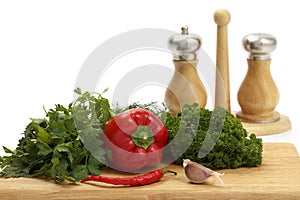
(220, 140)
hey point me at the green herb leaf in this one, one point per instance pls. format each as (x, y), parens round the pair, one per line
(44, 149)
(92, 166)
(53, 146)
(7, 150)
(80, 172)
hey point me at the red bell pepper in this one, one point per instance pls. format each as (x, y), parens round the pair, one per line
(136, 139)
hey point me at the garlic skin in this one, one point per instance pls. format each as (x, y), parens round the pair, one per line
(197, 173)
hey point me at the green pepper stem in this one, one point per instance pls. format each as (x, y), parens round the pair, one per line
(168, 171)
(143, 137)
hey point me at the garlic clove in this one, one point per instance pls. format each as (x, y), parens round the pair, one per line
(197, 173)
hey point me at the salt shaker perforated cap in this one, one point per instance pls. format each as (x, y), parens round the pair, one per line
(259, 45)
(184, 45)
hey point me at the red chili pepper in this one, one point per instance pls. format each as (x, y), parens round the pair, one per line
(145, 179)
(136, 138)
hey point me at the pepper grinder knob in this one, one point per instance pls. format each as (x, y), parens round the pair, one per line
(185, 86)
(259, 45)
(258, 94)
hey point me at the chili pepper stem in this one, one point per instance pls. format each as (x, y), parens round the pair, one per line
(168, 171)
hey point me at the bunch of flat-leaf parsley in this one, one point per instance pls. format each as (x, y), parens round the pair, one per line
(53, 147)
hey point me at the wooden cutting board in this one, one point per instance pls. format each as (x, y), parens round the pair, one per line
(277, 178)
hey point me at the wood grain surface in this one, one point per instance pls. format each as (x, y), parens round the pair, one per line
(222, 93)
(185, 87)
(258, 94)
(259, 129)
(277, 178)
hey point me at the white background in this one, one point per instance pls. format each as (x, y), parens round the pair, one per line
(43, 45)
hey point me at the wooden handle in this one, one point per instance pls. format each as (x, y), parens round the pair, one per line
(185, 87)
(222, 95)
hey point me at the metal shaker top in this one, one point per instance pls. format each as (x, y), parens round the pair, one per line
(184, 45)
(259, 45)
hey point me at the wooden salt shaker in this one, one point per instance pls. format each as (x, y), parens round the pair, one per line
(258, 95)
(185, 86)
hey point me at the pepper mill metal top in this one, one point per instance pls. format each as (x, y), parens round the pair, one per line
(184, 45)
(260, 45)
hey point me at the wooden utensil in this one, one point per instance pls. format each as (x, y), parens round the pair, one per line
(222, 95)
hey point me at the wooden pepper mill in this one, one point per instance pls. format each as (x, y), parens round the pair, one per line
(185, 86)
(258, 95)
